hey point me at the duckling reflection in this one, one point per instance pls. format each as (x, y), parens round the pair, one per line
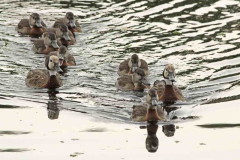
(168, 130)
(152, 140)
(53, 110)
(53, 105)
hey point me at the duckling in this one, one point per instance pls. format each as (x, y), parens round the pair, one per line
(137, 81)
(167, 92)
(149, 111)
(130, 65)
(62, 32)
(45, 78)
(70, 21)
(46, 44)
(32, 26)
(66, 59)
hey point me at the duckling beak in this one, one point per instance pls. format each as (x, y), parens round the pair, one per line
(57, 68)
(54, 44)
(38, 23)
(171, 77)
(66, 37)
(72, 24)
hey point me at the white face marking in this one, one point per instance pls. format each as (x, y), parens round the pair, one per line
(166, 74)
(52, 60)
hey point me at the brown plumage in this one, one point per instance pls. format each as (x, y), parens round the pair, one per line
(66, 59)
(137, 81)
(40, 78)
(167, 92)
(46, 44)
(142, 113)
(126, 65)
(69, 20)
(45, 78)
(63, 34)
(148, 111)
(33, 26)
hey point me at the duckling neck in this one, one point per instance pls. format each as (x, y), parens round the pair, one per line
(169, 95)
(152, 114)
(168, 82)
(52, 73)
(53, 81)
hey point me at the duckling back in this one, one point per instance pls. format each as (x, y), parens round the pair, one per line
(40, 78)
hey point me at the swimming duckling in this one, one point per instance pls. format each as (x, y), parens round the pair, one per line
(167, 92)
(62, 32)
(137, 81)
(130, 65)
(46, 44)
(149, 111)
(45, 78)
(70, 21)
(32, 26)
(66, 59)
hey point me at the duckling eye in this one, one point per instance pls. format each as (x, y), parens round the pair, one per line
(51, 60)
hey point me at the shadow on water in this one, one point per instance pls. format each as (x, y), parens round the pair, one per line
(222, 125)
(14, 150)
(199, 37)
(13, 132)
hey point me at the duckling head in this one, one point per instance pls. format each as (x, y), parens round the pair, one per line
(64, 32)
(35, 20)
(63, 54)
(134, 63)
(50, 39)
(70, 20)
(169, 73)
(156, 83)
(139, 76)
(53, 65)
(151, 98)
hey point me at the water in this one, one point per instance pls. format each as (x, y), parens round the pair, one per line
(201, 39)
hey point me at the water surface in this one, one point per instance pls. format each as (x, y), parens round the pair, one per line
(201, 39)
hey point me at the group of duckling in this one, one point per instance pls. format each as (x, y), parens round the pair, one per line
(133, 74)
(53, 43)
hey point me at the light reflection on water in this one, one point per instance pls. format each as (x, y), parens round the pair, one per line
(199, 38)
